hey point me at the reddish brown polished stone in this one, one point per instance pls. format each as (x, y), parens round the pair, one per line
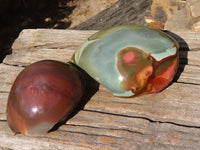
(44, 93)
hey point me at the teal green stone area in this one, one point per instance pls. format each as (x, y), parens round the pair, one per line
(99, 57)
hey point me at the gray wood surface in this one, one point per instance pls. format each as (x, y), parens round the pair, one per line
(122, 12)
(167, 120)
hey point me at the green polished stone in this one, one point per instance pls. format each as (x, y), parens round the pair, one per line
(125, 59)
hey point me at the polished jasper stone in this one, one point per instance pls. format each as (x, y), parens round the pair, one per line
(129, 60)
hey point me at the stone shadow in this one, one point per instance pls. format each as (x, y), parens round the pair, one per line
(183, 54)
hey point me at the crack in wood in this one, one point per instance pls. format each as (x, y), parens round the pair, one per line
(195, 49)
(4, 92)
(13, 65)
(92, 127)
(54, 46)
(3, 120)
(119, 102)
(188, 83)
(145, 118)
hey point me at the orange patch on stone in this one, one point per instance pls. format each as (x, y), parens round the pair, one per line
(144, 74)
(129, 57)
(163, 79)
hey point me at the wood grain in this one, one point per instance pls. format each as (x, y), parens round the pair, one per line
(121, 12)
(167, 120)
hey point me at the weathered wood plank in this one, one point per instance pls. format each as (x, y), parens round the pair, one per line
(122, 12)
(3, 103)
(42, 44)
(190, 39)
(139, 127)
(167, 106)
(179, 108)
(8, 74)
(65, 55)
(51, 45)
(103, 131)
(20, 142)
(167, 120)
(175, 104)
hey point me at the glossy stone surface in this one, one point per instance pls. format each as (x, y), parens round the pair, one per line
(43, 94)
(129, 60)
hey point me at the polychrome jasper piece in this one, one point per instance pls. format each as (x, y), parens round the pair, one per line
(43, 94)
(129, 60)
